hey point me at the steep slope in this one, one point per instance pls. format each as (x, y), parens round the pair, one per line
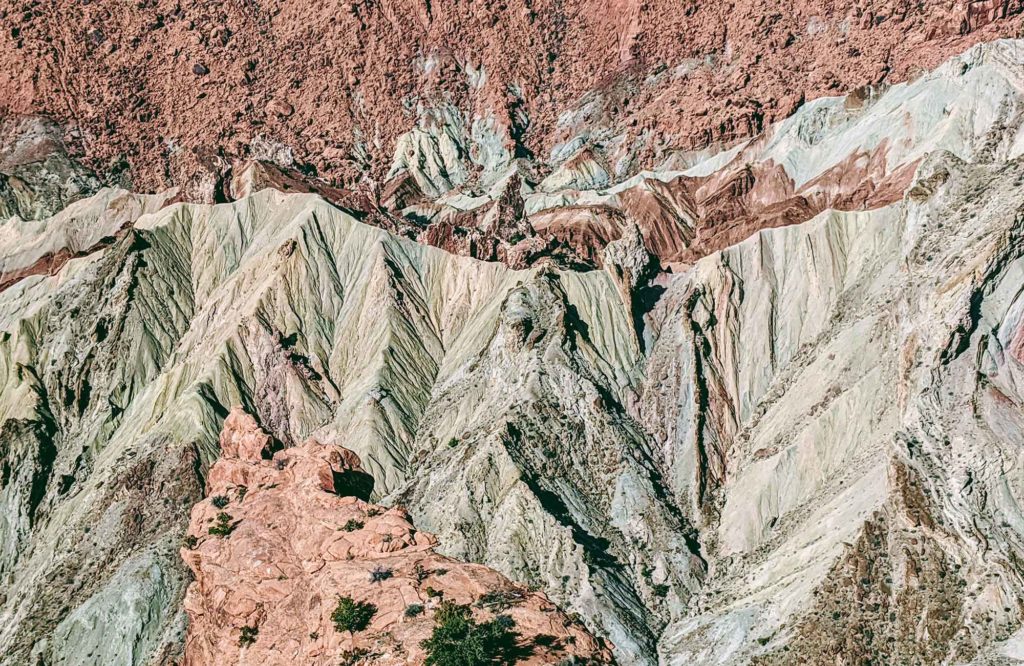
(800, 445)
(321, 327)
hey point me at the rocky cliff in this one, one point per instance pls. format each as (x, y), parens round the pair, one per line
(756, 405)
(297, 537)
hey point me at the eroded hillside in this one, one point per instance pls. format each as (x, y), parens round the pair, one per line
(759, 405)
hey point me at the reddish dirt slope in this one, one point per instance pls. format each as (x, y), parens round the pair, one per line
(166, 87)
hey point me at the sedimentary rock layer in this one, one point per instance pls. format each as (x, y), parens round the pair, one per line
(175, 90)
(800, 445)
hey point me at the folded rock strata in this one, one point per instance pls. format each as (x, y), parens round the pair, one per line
(801, 445)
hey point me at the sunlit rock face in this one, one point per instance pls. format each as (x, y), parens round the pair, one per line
(759, 405)
(297, 537)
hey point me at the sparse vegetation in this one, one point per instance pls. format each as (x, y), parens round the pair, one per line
(373, 511)
(433, 594)
(354, 657)
(412, 610)
(220, 501)
(500, 599)
(247, 636)
(380, 574)
(452, 443)
(223, 527)
(661, 590)
(242, 490)
(352, 525)
(352, 615)
(459, 640)
(191, 542)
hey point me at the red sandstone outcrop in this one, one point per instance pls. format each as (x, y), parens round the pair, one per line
(179, 89)
(287, 543)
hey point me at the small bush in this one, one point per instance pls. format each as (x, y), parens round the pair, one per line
(500, 599)
(412, 610)
(247, 636)
(354, 656)
(452, 443)
(242, 490)
(352, 525)
(191, 542)
(433, 594)
(458, 640)
(373, 511)
(223, 526)
(220, 501)
(661, 590)
(351, 615)
(545, 640)
(380, 574)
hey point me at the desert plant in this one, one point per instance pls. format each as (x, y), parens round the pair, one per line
(661, 590)
(247, 636)
(380, 574)
(223, 526)
(458, 640)
(352, 525)
(432, 593)
(242, 490)
(352, 615)
(191, 542)
(220, 501)
(500, 599)
(412, 610)
(354, 656)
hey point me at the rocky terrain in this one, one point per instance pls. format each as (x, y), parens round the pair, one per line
(298, 537)
(754, 398)
(168, 93)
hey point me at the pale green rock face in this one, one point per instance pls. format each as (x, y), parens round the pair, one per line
(706, 477)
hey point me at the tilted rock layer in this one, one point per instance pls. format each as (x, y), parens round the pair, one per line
(760, 405)
(299, 541)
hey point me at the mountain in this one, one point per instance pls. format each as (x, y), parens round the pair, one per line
(756, 402)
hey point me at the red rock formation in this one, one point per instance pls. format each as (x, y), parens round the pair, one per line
(177, 89)
(291, 545)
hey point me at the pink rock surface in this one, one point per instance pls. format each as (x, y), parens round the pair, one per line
(179, 89)
(290, 556)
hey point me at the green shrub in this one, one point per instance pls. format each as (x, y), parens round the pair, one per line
(351, 615)
(352, 525)
(412, 610)
(223, 526)
(191, 542)
(661, 590)
(354, 656)
(247, 636)
(220, 501)
(458, 640)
